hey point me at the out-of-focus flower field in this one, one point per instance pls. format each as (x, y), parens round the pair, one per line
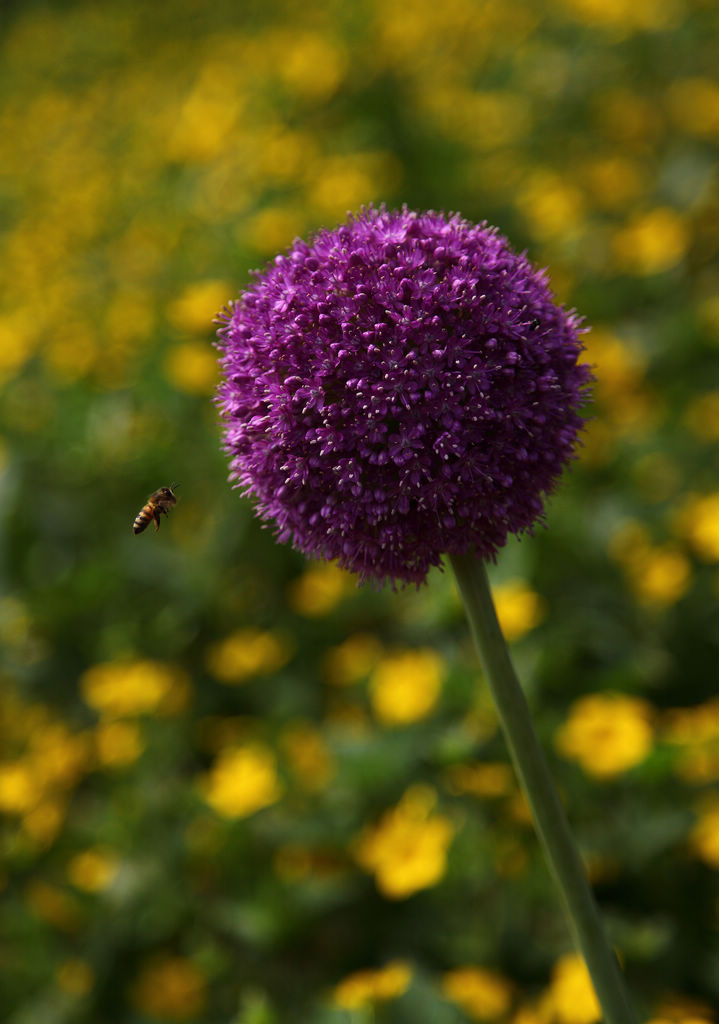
(234, 788)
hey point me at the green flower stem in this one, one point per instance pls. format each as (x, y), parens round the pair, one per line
(531, 765)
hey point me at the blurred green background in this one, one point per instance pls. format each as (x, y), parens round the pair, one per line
(234, 787)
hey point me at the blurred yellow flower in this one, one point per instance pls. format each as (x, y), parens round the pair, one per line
(614, 181)
(72, 349)
(171, 988)
(570, 998)
(695, 731)
(364, 988)
(485, 779)
(60, 756)
(319, 589)
(20, 788)
(242, 780)
(488, 119)
(676, 1008)
(619, 369)
(93, 870)
(404, 687)
(271, 228)
(651, 243)
(246, 653)
(519, 608)
(708, 312)
(338, 183)
(118, 743)
(44, 821)
(659, 575)
(353, 659)
(75, 976)
(53, 905)
(195, 308)
(311, 64)
(694, 105)
(309, 757)
(482, 993)
(551, 205)
(622, 17)
(704, 839)
(115, 688)
(407, 850)
(628, 118)
(702, 415)
(697, 522)
(607, 734)
(207, 114)
(17, 344)
(192, 367)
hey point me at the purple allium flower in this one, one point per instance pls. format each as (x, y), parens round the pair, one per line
(400, 387)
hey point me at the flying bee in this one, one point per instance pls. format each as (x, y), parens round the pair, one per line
(159, 503)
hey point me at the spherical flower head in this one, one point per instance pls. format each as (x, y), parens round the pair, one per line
(398, 388)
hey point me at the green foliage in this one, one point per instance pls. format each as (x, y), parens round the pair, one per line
(209, 814)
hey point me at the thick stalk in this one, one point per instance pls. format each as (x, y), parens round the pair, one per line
(531, 765)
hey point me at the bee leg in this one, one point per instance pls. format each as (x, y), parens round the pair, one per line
(156, 515)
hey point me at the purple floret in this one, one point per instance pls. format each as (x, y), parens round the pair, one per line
(398, 388)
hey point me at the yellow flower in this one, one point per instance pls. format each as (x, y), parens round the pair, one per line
(242, 780)
(627, 406)
(570, 998)
(198, 304)
(651, 243)
(53, 905)
(341, 182)
(407, 850)
(606, 734)
(93, 870)
(404, 687)
(118, 743)
(482, 779)
(663, 576)
(16, 345)
(353, 659)
(614, 181)
(116, 689)
(676, 1008)
(704, 840)
(482, 993)
(171, 988)
(308, 755)
(246, 653)
(364, 988)
(192, 367)
(698, 523)
(311, 63)
(519, 608)
(20, 790)
(319, 589)
(694, 103)
(658, 574)
(551, 204)
(269, 228)
(702, 416)
(75, 977)
(696, 731)
(622, 17)
(44, 821)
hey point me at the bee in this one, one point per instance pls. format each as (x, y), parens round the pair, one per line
(159, 502)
